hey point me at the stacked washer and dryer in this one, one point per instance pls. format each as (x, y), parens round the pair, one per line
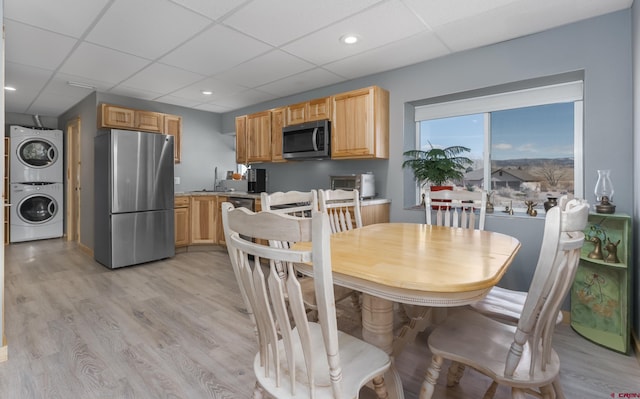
(36, 180)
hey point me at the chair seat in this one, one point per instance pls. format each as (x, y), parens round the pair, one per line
(309, 293)
(360, 362)
(505, 305)
(456, 339)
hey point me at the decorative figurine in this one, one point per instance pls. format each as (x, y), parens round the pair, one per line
(597, 248)
(612, 249)
(530, 205)
(489, 203)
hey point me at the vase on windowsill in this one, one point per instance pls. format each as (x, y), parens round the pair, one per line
(550, 203)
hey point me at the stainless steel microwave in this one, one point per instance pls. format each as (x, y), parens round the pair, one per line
(365, 183)
(309, 140)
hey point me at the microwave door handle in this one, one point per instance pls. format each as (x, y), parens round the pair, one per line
(314, 139)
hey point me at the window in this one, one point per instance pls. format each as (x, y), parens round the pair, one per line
(525, 145)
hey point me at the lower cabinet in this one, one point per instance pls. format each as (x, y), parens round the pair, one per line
(219, 228)
(375, 213)
(203, 219)
(182, 221)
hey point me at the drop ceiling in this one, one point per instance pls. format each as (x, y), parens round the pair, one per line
(244, 51)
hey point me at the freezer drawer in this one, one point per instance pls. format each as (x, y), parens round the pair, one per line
(137, 238)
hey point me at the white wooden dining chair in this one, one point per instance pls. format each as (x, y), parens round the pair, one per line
(297, 358)
(460, 208)
(343, 208)
(299, 204)
(521, 356)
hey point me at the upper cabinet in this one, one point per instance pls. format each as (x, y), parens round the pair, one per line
(173, 127)
(360, 124)
(241, 139)
(277, 123)
(308, 111)
(117, 117)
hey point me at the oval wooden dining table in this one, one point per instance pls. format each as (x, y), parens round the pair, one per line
(416, 264)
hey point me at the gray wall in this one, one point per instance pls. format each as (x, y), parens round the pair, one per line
(600, 48)
(203, 148)
(636, 167)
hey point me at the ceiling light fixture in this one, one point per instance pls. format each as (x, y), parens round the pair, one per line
(349, 38)
(81, 85)
(9, 88)
(207, 92)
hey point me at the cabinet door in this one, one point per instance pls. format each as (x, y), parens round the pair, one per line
(241, 139)
(360, 124)
(373, 214)
(219, 227)
(112, 116)
(203, 219)
(259, 137)
(173, 127)
(182, 226)
(149, 121)
(277, 122)
(319, 109)
(296, 113)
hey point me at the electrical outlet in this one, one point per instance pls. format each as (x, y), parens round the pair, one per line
(176, 180)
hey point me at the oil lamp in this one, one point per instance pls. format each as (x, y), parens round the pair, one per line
(604, 192)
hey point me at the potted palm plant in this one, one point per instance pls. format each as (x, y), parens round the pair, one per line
(437, 165)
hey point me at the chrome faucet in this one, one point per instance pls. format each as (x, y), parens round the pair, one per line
(215, 179)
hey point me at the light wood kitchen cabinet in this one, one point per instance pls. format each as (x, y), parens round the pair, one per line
(203, 219)
(373, 214)
(313, 110)
(116, 117)
(360, 124)
(277, 123)
(173, 127)
(241, 139)
(182, 221)
(259, 137)
(219, 228)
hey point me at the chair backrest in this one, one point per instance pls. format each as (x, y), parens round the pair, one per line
(466, 209)
(343, 208)
(558, 261)
(295, 203)
(277, 302)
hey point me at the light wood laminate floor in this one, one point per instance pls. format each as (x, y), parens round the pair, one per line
(176, 329)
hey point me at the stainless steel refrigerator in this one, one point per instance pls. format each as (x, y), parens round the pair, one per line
(133, 198)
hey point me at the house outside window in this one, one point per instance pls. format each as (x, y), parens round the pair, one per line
(525, 145)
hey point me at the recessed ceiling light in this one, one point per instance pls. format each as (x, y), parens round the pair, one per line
(349, 38)
(9, 88)
(81, 85)
(207, 92)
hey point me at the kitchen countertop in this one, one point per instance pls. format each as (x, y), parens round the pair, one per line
(242, 194)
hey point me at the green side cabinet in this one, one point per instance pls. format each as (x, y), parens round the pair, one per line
(601, 292)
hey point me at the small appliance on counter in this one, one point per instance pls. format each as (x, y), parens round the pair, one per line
(256, 180)
(365, 183)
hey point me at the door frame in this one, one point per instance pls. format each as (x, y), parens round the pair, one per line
(73, 187)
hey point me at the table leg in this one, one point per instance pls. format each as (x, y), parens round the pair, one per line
(377, 329)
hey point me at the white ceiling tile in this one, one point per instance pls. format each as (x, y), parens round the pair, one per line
(219, 89)
(147, 28)
(95, 62)
(135, 93)
(69, 17)
(295, 19)
(162, 78)
(265, 69)
(214, 108)
(301, 82)
(211, 9)
(212, 52)
(418, 48)
(28, 81)
(169, 99)
(324, 46)
(440, 12)
(243, 99)
(63, 79)
(35, 46)
(55, 104)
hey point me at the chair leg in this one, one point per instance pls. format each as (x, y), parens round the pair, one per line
(557, 388)
(380, 387)
(456, 370)
(518, 393)
(431, 377)
(258, 392)
(355, 301)
(548, 392)
(491, 391)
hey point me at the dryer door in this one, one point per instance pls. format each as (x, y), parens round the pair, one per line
(37, 153)
(37, 209)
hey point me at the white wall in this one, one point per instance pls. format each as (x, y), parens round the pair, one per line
(636, 167)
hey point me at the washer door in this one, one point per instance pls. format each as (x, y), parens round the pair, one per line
(37, 209)
(37, 153)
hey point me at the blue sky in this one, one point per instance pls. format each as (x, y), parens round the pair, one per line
(544, 131)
